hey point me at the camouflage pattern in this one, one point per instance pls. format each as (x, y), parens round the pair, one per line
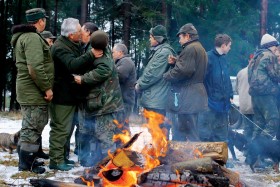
(105, 94)
(95, 137)
(264, 73)
(266, 115)
(34, 119)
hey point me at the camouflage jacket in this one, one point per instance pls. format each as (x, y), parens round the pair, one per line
(34, 65)
(264, 73)
(105, 93)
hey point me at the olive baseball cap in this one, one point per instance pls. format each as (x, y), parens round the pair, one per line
(35, 14)
(47, 34)
(99, 40)
(187, 29)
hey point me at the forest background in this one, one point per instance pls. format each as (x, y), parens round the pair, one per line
(129, 21)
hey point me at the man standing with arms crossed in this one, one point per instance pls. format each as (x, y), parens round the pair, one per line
(34, 85)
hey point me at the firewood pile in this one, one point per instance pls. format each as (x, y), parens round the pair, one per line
(160, 163)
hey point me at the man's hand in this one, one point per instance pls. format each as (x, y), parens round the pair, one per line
(97, 53)
(171, 59)
(78, 79)
(48, 95)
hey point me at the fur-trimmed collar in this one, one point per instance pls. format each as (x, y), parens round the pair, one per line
(23, 28)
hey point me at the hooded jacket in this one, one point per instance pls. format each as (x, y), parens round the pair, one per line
(34, 65)
(154, 88)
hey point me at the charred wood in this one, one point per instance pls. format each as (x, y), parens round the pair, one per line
(52, 183)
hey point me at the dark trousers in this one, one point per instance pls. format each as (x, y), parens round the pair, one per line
(186, 128)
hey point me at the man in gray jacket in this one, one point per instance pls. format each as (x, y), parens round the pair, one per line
(187, 96)
(152, 86)
(127, 78)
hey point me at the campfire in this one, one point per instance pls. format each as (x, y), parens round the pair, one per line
(161, 162)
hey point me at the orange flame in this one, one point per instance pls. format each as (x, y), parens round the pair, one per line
(157, 148)
(89, 183)
(197, 154)
(124, 138)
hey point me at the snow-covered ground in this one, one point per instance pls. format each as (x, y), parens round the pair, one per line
(260, 179)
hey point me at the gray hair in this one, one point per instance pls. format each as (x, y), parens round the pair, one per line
(121, 47)
(69, 26)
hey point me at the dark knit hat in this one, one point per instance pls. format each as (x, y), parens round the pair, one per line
(268, 41)
(47, 34)
(159, 33)
(35, 14)
(99, 40)
(187, 29)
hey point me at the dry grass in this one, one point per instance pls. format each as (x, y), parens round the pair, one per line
(11, 115)
(275, 178)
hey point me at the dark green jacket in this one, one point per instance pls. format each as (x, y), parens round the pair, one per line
(34, 65)
(105, 94)
(68, 60)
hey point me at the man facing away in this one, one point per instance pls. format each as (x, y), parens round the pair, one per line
(187, 96)
(33, 85)
(213, 124)
(127, 78)
(101, 106)
(245, 102)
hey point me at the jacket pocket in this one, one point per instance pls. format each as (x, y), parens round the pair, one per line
(94, 100)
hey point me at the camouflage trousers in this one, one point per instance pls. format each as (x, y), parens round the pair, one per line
(34, 119)
(213, 126)
(96, 137)
(266, 115)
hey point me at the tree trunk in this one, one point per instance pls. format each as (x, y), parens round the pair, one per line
(84, 11)
(263, 17)
(127, 23)
(55, 18)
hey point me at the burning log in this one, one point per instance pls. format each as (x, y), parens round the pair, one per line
(218, 151)
(203, 165)
(232, 176)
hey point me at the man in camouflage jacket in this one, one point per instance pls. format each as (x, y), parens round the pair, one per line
(264, 76)
(101, 106)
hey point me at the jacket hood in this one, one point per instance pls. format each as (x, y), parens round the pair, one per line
(17, 30)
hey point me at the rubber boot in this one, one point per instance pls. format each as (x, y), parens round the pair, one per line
(26, 162)
(40, 153)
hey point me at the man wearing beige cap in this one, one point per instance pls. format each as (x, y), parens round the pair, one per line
(34, 85)
(264, 76)
(49, 37)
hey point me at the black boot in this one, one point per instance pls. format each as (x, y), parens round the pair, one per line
(40, 153)
(26, 162)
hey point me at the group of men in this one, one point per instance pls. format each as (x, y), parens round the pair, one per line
(80, 82)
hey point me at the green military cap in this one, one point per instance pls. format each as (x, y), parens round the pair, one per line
(187, 29)
(99, 40)
(159, 33)
(47, 34)
(35, 14)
